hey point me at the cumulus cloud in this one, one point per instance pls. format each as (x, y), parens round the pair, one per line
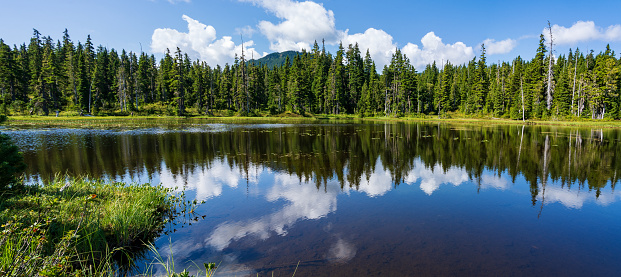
(379, 43)
(499, 47)
(434, 50)
(583, 31)
(432, 178)
(304, 202)
(301, 24)
(494, 181)
(200, 42)
(208, 181)
(570, 199)
(575, 198)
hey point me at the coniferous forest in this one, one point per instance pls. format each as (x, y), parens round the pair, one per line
(46, 76)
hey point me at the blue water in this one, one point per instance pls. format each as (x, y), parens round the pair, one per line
(265, 215)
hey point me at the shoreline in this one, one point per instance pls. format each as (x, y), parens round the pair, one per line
(79, 225)
(121, 121)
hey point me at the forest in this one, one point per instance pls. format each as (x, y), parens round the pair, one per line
(45, 77)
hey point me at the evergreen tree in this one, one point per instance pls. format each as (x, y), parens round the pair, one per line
(536, 76)
(177, 84)
(480, 87)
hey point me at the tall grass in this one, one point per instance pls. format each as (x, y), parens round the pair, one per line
(81, 226)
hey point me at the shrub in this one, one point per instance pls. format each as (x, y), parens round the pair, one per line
(11, 161)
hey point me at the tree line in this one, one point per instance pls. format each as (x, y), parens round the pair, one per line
(44, 77)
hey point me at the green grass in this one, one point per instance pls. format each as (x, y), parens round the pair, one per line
(288, 117)
(80, 227)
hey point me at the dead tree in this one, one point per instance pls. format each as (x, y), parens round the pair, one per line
(550, 89)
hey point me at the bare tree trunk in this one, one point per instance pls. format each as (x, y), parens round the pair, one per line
(520, 150)
(522, 90)
(90, 89)
(550, 89)
(573, 92)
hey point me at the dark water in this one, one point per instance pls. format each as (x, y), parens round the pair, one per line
(396, 199)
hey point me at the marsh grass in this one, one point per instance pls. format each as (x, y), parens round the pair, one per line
(141, 121)
(158, 121)
(81, 227)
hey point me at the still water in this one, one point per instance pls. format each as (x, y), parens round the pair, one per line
(366, 199)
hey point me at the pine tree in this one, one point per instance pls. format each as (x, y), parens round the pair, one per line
(336, 84)
(443, 90)
(605, 94)
(82, 80)
(101, 79)
(178, 83)
(536, 75)
(480, 87)
(562, 92)
(8, 70)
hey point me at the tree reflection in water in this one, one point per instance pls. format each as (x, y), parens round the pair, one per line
(293, 177)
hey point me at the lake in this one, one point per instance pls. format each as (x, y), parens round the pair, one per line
(365, 198)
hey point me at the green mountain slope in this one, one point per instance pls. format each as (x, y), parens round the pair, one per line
(275, 59)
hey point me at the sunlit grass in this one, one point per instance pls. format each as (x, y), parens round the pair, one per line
(79, 225)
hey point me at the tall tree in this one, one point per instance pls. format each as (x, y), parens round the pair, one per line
(480, 87)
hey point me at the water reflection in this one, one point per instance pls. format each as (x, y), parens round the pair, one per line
(342, 197)
(302, 202)
(348, 153)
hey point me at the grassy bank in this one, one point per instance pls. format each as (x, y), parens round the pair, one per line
(144, 121)
(79, 227)
(153, 121)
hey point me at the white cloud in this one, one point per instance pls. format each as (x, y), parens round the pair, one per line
(499, 47)
(613, 33)
(583, 31)
(302, 23)
(569, 198)
(200, 42)
(432, 178)
(576, 198)
(305, 22)
(494, 181)
(435, 50)
(245, 31)
(304, 202)
(177, 1)
(379, 43)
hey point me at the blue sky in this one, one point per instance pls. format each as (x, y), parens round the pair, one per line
(426, 31)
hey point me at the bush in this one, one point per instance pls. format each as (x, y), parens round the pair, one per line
(11, 162)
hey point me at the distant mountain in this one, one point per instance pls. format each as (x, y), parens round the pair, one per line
(276, 59)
